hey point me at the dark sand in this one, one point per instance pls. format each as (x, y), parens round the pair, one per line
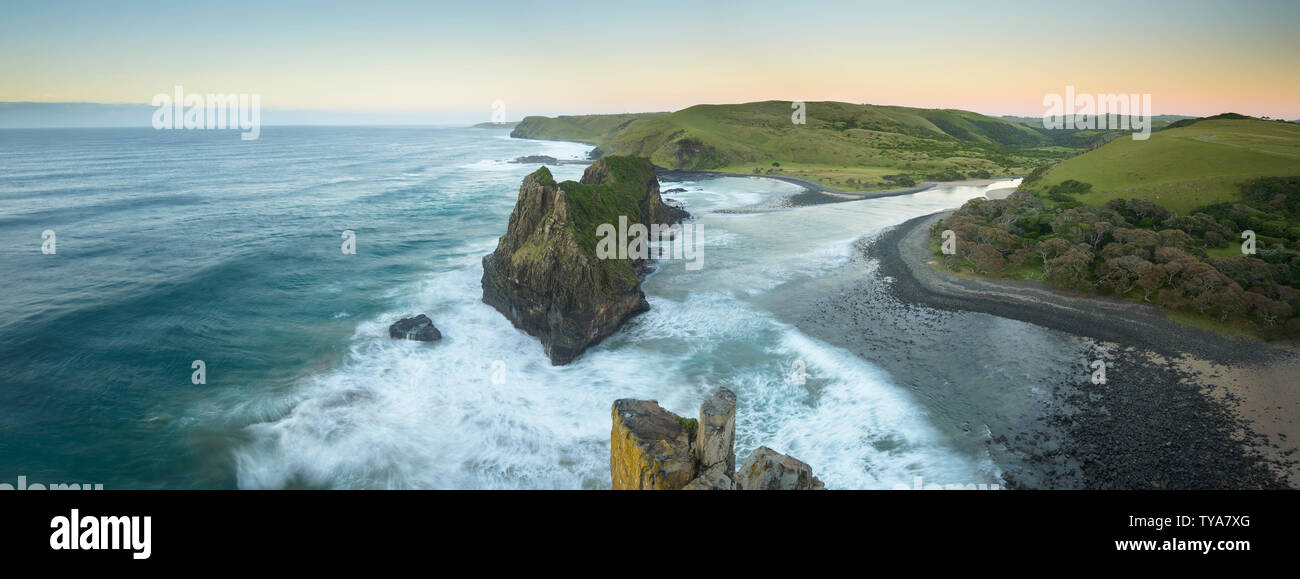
(1181, 408)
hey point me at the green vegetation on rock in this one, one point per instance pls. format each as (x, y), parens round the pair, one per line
(545, 275)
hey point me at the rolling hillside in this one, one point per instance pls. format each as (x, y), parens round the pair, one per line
(582, 128)
(847, 146)
(1191, 164)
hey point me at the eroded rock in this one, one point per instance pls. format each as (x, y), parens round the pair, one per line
(717, 478)
(650, 448)
(717, 434)
(768, 470)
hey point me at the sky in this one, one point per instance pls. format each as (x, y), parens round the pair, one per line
(452, 61)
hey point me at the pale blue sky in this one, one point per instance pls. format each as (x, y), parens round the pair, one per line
(1194, 57)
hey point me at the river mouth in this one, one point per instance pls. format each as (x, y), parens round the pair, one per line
(1011, 369)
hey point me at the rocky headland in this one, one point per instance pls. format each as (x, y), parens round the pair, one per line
(545, 275)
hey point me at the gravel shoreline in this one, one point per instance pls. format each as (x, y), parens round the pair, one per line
(903, 253)
(1154, 423)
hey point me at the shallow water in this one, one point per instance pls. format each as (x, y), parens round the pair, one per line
(182, 246)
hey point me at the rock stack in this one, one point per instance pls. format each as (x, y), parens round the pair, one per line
(545, 275)
(654, 449)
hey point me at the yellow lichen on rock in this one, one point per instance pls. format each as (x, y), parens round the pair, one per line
(649, 447)
(654, 449)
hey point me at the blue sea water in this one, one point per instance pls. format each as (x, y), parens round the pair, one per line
(177, 246)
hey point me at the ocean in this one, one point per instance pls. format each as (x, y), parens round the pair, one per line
(171, 247)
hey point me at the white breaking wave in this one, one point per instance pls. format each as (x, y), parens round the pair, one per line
(484, 408)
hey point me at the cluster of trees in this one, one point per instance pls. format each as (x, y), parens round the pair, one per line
(946, 175)
(900, 180)
(955, 175)
(1138, 249)
(1270, 207)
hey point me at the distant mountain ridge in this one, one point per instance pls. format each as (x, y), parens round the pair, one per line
(852, 146)
(582, 128)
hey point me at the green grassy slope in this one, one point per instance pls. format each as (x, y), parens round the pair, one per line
(844, 145)
(583, 128)
(1183, 167)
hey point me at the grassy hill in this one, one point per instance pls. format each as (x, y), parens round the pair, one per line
(1190, 164)
(847, 146)
(582, 128)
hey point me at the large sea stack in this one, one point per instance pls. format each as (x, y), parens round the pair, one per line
(545, 276)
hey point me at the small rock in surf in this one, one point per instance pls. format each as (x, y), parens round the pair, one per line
(419, 328)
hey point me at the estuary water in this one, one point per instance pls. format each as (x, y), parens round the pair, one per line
(171, 247)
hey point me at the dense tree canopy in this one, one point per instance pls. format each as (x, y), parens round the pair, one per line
(1138, 249)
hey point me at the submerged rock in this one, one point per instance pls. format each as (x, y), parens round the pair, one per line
(419, 328)
(544, 274)
(769, 470)
(531, 159)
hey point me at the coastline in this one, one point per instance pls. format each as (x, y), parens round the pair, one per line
(1174, 414)
(814, 193)
(1182, 408)
(904, 256)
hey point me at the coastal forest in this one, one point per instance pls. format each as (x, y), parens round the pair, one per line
(1231, 264)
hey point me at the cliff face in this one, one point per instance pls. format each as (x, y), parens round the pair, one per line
(654, 449)
(544, 275)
